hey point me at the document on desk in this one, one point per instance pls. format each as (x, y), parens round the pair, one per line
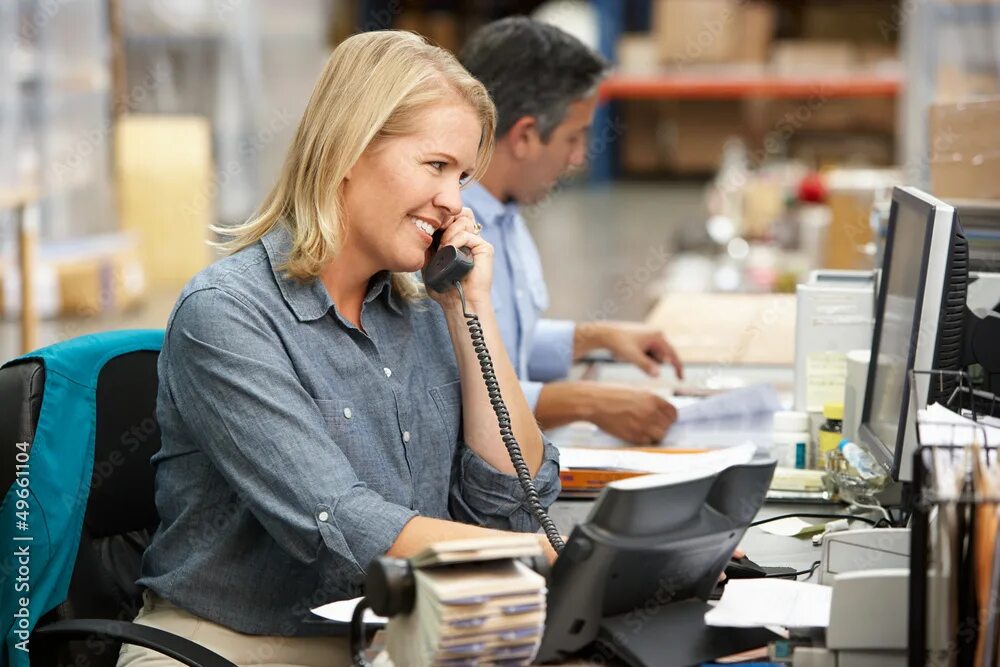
(743, 402)
(654, 462)
(755, 603)
(703, 423)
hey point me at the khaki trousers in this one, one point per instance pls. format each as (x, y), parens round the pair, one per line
(241, 649)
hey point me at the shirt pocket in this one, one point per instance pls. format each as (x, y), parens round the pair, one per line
(448, 400)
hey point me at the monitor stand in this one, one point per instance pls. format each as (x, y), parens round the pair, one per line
(674, 635)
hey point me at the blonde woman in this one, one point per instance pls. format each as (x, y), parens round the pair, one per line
(317, 410)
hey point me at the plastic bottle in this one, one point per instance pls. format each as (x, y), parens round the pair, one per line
(831, 431)
(791, 439)
(862, 462)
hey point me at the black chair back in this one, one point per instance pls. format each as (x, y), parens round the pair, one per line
(121, 514)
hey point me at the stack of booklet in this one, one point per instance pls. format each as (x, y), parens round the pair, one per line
(475, 605)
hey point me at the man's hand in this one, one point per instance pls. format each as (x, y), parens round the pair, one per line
(635, 415)
(631, 342)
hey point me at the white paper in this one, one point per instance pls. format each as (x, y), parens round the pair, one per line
(793, 526)
(342, 610)
(754, 603)
(653, 462)
(727, 405)
(940, 426)
(736, 416)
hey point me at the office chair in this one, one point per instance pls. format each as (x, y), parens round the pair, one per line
(118, 412)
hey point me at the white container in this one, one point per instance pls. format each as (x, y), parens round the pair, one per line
(791, 440)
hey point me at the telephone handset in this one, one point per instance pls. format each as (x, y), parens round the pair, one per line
(445, 270)
(448, 265)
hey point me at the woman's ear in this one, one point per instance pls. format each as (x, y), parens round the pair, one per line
(522, 136)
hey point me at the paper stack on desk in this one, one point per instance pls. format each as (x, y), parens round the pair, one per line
(754, 603)
(474, 613)
(584, 471)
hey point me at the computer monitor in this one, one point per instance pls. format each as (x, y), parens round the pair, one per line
(918, 323)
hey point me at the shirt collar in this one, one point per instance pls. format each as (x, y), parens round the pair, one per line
(486, 206)
(309, 299)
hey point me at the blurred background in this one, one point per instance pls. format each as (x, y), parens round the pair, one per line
(739, 145)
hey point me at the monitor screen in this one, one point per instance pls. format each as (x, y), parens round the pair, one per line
(918, 324)
(902, 277)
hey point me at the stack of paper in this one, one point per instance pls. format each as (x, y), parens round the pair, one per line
(480, 613)
(515, 545)
(756, 603)
(585, 471)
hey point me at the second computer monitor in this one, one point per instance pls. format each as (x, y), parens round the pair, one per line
(917, 322)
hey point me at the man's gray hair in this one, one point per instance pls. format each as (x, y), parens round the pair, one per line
(531, 69)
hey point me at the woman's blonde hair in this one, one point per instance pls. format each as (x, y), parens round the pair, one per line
(374, 86)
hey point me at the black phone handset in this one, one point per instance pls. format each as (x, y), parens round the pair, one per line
(445, 270)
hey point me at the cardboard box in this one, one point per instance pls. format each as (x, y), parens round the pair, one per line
(442, 29)
(166, 193)
(727, 329)
(713, 31)
(88, 277)
(641, 152)
(794, 56)
(694, 132)
(684, 137)
(759, 21)
(964, 149)
(786, 117)
(637, 53)
(857, 21)
(957, 85)
(834, 149)
(696, 31)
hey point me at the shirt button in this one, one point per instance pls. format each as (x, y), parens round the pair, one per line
(323, 516)
(348, 413)
(388, 372)
(406, 436)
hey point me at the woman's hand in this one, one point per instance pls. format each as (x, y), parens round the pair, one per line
(462, 232)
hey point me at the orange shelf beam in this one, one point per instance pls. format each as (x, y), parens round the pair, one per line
(723, 86)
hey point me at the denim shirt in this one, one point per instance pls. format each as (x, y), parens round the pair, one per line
(295, 446)
(540, 349)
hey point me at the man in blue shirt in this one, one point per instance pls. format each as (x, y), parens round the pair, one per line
(544, 84)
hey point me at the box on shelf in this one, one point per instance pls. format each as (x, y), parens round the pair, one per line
(713, 31)
(851, 193)
(694, 132)
(957, 85)
(442, 29)
(759, 22)
(852, 149)
(792, 56)
(637, 53)
(682, 136)
(858, 21)
(167, 192)
(965, 149)
(786, 117)
(641, 152)
(92, 276)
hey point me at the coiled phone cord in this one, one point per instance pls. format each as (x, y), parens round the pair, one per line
(503, 420)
